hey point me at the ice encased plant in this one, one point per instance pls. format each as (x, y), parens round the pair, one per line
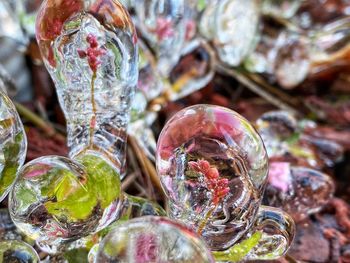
(89, 48)
(213, 166)
(90, 51)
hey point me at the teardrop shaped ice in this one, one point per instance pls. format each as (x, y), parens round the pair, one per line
(232, 25)
(13, 144)
(162, 24)
(213, 167)
(90, 50)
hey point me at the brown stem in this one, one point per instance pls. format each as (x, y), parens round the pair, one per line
(256, 89)
(205, 220)
(146, 165)
(37, 121)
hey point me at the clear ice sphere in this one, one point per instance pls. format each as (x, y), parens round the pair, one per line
(10, 26)
(162, 23)
(56, 200)
(194, 70)
(152, 240)
(90, 51)
(280, 8)
(275, 128)
(232, 25)
(299, 191)
(213, 167)
(13, 144)
(17, 252)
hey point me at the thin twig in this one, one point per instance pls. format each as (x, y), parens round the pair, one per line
(129, 180)
(256, 89)
(146, 165)
(38, 121)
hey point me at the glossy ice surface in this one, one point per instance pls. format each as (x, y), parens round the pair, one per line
(232, 26)
(284, 136)
(90, 50)
(282, 8)
(299, 191)
(213, 167)
(194, 70)
(17, 252)
(163, 25)
(13, 144)
(152, 240)
(56, 200)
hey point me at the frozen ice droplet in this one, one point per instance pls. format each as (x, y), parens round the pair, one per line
(299, 191)
(13, 144)
(152, 240)
(213, 167)
(194, 70)
(56, 200)
(10, 26)
(17, 251)
(90, 50)
(280, 8)
(232, 25)
(275, 128)
(163, 25)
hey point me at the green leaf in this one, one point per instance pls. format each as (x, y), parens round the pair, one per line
(201, 5)
(293, 139)
(11, 151)
(79, 255)
(77, 198)
(238, 252)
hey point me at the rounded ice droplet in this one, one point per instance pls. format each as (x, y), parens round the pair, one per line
(56, 200)
(284, 8)
(152, 240)
(213, 167)
(300, 191)
(13, 144)
(17, 251)
(232, 25)
(163, 25)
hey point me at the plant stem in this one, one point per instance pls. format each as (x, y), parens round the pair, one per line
(93, 103)
(205, 220)
(37, 121)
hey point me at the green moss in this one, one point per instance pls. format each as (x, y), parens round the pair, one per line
(239, 251)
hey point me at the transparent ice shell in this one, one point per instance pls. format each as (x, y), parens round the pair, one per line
(17, 251)
(281, 8)
(163, 25)
(13, 143)
(194, 70)
(299, 191)
(10, 26)
(213, 167)
(56, 200)
(284, 135)
(152, 240)
(150, 81)
(232, 25)
(90, 51)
